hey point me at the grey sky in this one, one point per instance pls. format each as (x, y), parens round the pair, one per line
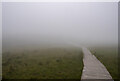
(83, 23)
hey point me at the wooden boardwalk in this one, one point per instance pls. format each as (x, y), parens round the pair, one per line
(93, 68)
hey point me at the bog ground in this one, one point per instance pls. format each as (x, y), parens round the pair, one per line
(48, 63)
(55, 62)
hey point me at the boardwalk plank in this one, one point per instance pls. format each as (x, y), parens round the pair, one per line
(93, 68)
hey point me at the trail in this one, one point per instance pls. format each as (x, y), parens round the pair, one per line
(93, 68)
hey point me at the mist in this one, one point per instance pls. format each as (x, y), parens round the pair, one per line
(38, 24)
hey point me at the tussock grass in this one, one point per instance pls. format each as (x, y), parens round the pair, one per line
(49, 63)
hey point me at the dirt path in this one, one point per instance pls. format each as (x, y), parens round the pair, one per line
(93, 68)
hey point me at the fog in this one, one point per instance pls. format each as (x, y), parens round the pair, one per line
(36, 24)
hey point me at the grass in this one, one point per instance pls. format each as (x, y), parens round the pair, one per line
(49, 63)
(108, 56)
